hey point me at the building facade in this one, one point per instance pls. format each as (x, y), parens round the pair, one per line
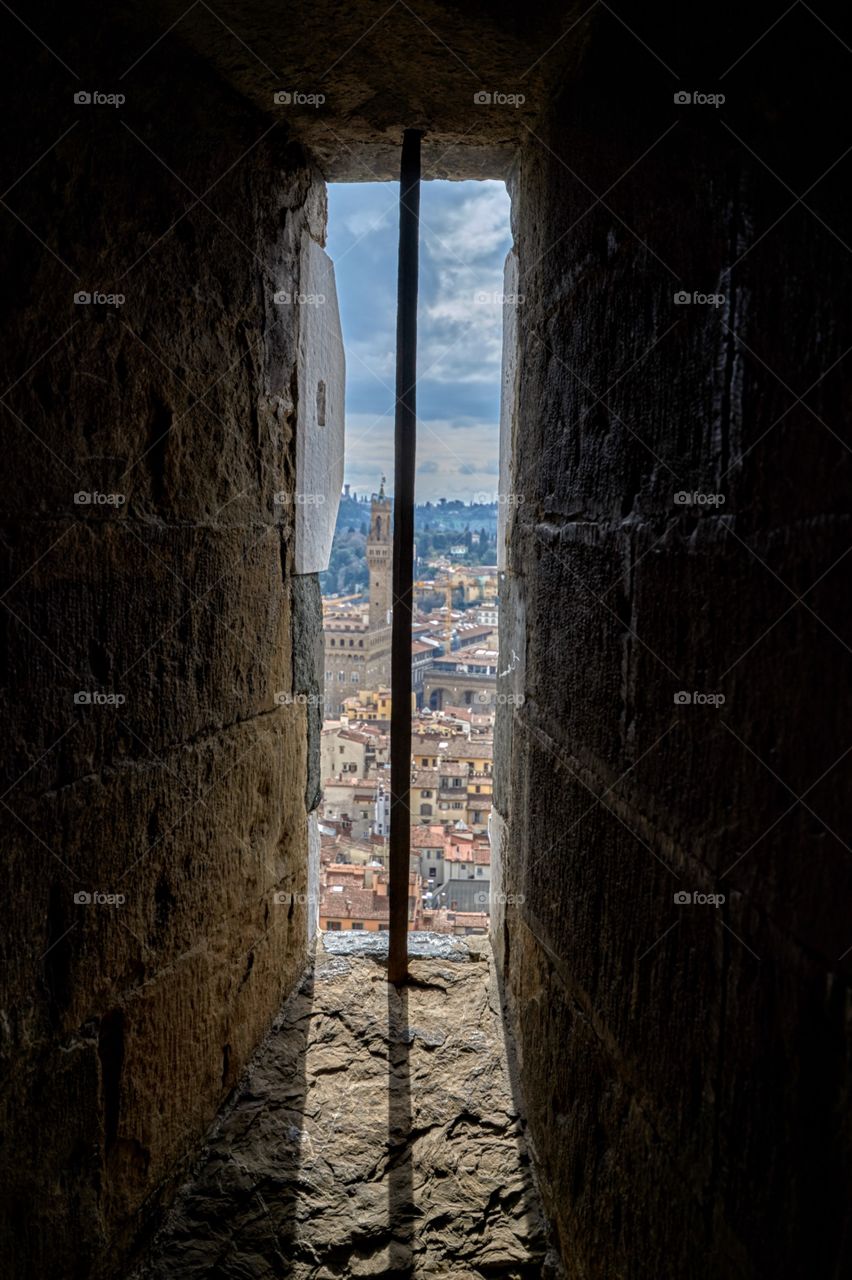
(357, 640)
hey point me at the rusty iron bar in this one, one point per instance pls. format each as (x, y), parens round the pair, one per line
(405, 438)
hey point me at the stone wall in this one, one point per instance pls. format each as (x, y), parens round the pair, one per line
(157, 777)
(683, 1065)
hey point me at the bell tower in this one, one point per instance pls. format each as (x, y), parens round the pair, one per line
(380, 559)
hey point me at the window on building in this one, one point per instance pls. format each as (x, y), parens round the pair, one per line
(332, 924)
(357, 924)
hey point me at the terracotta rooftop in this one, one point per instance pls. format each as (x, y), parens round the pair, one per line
(427, 838)
(479, 855)
(451, 769)
(354, 904)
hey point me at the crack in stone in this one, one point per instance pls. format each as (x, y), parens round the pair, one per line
(419, 1156)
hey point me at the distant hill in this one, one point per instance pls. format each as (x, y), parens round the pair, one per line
(466, 531)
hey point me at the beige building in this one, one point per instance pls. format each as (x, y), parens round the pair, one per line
(479, 789)
(352, 802)
(356, 750)
(358, 640)
(465, 678)
(368, 706)
(423, 798)
(343, 752)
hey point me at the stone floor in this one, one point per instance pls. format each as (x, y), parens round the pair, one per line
(375, 1135)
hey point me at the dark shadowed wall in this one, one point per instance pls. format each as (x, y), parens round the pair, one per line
(146, 627)
(683, 1064)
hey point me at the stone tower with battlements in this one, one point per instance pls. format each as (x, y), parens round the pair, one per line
(380, 560)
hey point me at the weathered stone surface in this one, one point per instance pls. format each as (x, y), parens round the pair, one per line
(320, 427)
(683, 1064)
(434, 946)
(125, 1025)
(375, 1134)
(685, 1073)
(382, 67)
(308, 671)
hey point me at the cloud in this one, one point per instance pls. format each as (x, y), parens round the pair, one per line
(453, 460)
(362, 222)
(465, 236)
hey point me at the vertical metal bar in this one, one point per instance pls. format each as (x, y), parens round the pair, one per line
(403, 553)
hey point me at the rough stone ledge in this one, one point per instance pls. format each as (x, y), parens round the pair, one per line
(433, 946)
(375, 1134)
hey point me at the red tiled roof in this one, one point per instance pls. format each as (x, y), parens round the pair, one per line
(354, 904)
(453, 769)
(479, 855)
(427, 838)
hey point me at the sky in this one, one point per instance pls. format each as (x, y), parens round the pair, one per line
(464, 239)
